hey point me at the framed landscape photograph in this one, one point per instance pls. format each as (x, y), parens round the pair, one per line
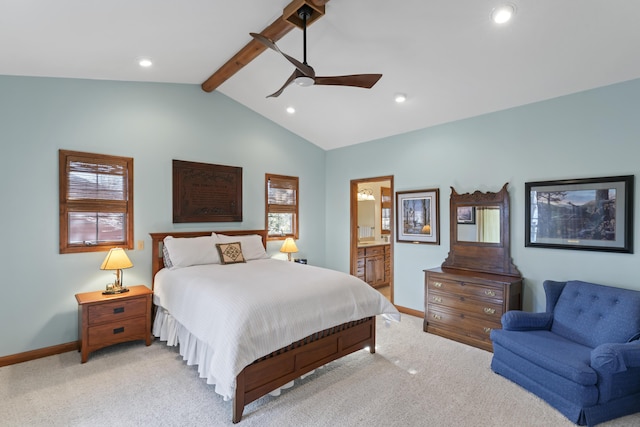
(594, 214)
(417, 216)
(466, 215)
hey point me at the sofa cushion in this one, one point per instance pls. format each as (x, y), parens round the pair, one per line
(592, 314)
(551, 352)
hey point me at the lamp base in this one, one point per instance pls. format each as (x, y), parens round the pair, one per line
(114, 291)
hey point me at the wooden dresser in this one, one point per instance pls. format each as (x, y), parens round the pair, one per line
(466, 305)
(477, 283)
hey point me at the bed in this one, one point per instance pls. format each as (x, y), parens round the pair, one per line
(279, 338)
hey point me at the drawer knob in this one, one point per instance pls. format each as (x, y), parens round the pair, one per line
(118, 310)
(436, 316)
(488, 310)
(437, 299)
(437, 284)
(118, 330)
(486, 330)
(490, 293)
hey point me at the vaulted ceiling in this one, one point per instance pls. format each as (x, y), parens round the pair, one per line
(449, 58)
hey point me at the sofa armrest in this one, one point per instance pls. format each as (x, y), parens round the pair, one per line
(611, 358)
(517, 320)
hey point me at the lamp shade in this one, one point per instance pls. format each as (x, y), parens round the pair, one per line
(289, 246)
(116, 259)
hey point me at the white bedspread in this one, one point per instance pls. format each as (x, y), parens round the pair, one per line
(242, 312)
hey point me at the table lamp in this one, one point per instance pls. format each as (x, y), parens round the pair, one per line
(117, 260)
(288, 247)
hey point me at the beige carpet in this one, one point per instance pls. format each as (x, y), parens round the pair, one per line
(414, 379)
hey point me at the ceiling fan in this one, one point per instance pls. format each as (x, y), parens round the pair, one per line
(304, 74)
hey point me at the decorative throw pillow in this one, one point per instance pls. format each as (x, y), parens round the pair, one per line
(252, 247)
(166, 258)
(230, 253)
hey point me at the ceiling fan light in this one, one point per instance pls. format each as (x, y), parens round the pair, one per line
(503, 13)
(400, 98)
(304, 81)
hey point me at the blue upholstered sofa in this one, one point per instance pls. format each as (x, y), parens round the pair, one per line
(582, 356)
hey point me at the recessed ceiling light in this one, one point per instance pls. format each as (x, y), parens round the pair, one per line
(145, 62)
(400, 98)
(503, 13)
(291, 110)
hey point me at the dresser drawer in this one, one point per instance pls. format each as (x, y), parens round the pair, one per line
(116, 310)
(470, 305)
(461, 323)
(112, 333)
(466, 288)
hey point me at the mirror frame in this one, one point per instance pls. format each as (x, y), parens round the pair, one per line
(477, 256)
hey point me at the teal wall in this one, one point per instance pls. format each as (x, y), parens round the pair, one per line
(589, 134)
(594, 133)
(153, 123)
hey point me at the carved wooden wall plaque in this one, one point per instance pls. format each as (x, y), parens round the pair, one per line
(204, 192)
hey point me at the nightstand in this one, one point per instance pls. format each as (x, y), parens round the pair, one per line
(104, 320)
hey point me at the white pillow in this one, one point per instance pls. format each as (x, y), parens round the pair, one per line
(251, 245)
(186, 251)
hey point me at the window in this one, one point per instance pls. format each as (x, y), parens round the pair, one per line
(385, 210)
(282, 206)
(96, 202)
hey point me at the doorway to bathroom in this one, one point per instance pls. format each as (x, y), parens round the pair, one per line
(372, 235)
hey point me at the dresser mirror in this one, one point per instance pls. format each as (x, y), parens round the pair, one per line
(479, 232)
(478, 224)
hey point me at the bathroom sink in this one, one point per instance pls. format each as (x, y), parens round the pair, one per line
(372, 243)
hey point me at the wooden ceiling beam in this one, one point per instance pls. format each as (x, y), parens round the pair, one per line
(278, 29)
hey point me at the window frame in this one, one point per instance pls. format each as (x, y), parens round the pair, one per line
(295, 183)
(103, 206)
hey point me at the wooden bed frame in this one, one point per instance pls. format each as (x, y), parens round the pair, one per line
(288, 363)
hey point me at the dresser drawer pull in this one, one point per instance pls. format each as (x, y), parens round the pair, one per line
(118, 330)
(488, 310)
(437, 284)
(486, 330)
(118, 310)
(490, 293)
(436, 316)
(437, 299)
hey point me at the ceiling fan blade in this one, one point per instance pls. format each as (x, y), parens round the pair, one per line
(275, 31)
(358, 80)
(295, 75)
(307, 70)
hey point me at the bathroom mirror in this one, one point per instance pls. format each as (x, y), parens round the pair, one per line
(366, 219)
(479, 232)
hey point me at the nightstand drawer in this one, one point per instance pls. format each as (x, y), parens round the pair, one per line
(116, 332)
(116, 310)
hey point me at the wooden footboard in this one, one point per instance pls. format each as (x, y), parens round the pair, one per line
(282, 366)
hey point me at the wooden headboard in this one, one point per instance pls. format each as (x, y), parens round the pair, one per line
(157, 262)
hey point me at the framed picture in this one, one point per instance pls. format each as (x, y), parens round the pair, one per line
(417, 216)
(203, 192)
(466, 215)
(593, 214)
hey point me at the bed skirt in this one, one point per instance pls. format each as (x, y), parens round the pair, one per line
(193, 351)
